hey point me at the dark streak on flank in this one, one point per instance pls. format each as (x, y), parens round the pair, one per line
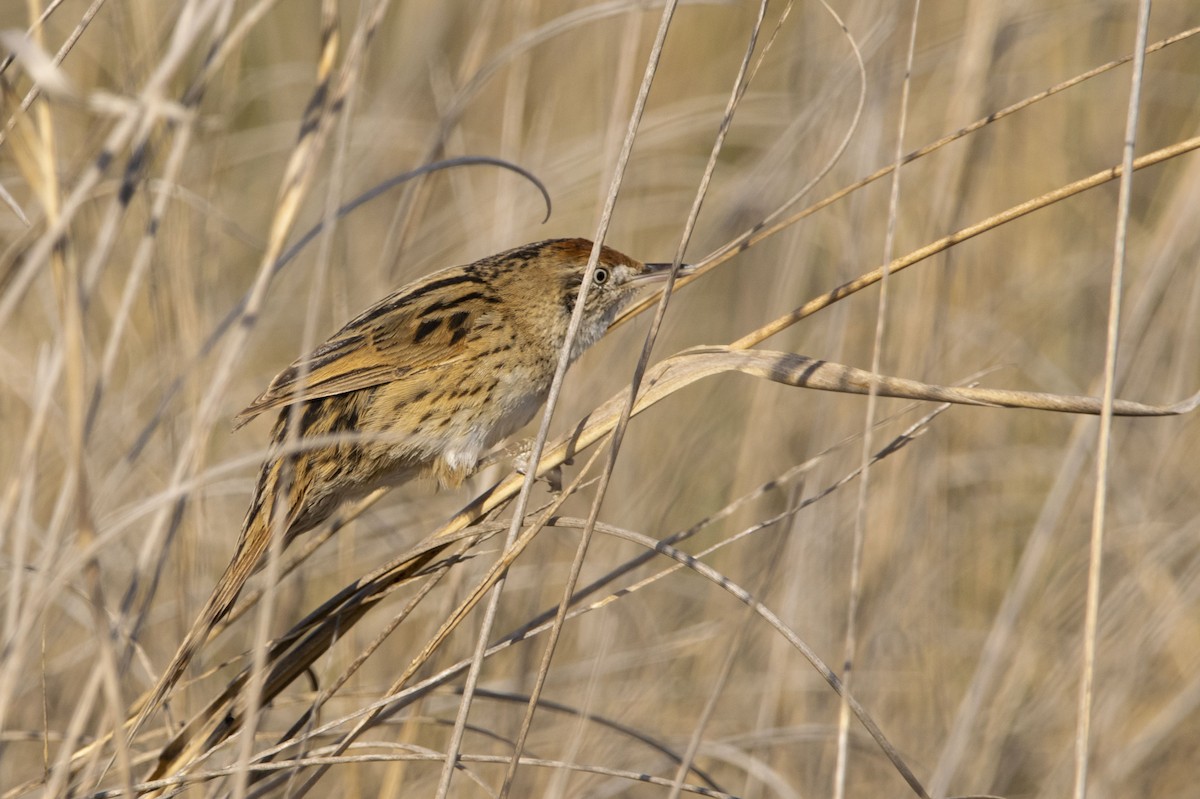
(312, 414)
(260, 489)
(345, 422)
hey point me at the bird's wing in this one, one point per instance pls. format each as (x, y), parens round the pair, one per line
(392, 341)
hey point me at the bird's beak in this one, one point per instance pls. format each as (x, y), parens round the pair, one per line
(658, 272)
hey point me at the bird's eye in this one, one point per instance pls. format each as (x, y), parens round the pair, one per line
(600, 276)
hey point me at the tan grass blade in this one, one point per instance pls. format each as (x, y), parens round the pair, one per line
(297, 177)
(757, 234)
(292, 655)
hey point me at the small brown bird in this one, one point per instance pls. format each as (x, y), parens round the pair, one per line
(423, 382)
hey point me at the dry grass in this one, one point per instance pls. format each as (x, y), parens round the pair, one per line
(121, 490)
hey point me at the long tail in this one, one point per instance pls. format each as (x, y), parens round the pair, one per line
(254, 542)
(308, 496)
(215, 609)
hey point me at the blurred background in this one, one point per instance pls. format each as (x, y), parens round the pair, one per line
(974, 572)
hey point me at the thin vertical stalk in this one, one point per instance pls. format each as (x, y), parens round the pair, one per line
(1092, 613)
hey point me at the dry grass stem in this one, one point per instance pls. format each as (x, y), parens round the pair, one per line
(673, 613)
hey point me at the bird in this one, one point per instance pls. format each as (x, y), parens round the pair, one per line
(422, 383)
